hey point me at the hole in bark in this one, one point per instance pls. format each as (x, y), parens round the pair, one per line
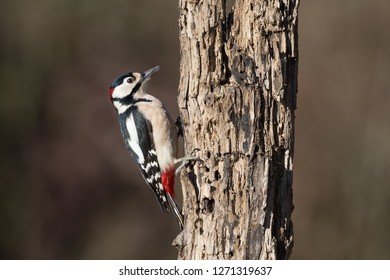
(217, 176)
(208, 205)
(213, 189)
(208, 155)
(206, 169)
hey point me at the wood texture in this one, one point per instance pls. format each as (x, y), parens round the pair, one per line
(237, 96)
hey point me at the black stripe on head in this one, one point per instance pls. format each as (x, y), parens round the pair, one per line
(128, 100)
(136, 87)
(118, 81)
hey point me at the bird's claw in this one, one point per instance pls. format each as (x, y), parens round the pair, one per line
(184, 160)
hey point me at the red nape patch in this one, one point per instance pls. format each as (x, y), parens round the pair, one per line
(111, 91)
(168, 181)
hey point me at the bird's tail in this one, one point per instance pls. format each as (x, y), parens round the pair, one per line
(175, 209)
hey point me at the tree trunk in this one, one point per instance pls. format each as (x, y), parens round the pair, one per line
(238, 86)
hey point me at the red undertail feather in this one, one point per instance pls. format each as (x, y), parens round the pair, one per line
(168, 181)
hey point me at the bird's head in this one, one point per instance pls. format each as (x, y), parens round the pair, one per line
(127, 88)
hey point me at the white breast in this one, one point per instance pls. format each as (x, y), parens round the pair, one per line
(163, 132)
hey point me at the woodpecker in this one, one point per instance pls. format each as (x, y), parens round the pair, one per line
(150, 136)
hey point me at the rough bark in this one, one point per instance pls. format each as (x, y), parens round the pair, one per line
(237, 96)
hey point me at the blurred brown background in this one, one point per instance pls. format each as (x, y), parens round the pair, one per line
(68, 189)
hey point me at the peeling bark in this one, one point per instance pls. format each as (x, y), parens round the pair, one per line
(237, 96)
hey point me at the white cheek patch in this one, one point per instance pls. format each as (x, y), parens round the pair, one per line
(123, 90)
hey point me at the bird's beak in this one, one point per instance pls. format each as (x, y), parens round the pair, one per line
(149, 72)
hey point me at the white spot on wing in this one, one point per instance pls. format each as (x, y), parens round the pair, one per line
(134, 140)
(137, 150)
(155, 178)
(148, 165)
(132, 129)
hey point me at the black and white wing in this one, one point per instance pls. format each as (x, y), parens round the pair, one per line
(138, 137)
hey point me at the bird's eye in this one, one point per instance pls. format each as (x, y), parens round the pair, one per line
(130, 80)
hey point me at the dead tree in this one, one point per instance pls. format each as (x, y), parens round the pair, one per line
(237, 96)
